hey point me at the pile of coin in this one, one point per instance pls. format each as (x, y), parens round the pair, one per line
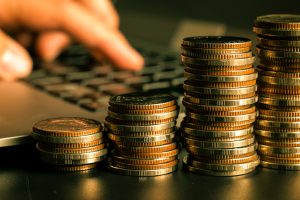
(141, 128)
(278, 126)
(70, 143)
(220, 92)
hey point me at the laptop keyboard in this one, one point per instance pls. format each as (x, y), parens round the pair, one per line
(77, 78)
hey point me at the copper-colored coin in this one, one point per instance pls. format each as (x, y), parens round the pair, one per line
(279, 113)
(249, 110)
(214, 139)
(142, 112)
(142, 101)
(145, 167)
(223, 124)
(278, 74)
(73, 145)
(49, 148)
(171, 153)
(153, 149)
(211, 160)
(221, 84)
(280, 160)
(211, 56)
(221, 157)
(197, 107)
(134, 161)
(70, 168)
(288, 22)
(143, 134)
(67, 126)
(219, 70)
(213, 128)
(203, 50)
(278, 89)
(197, 96)
(284, 142)
(139, 123)
(279, 108)
(145, 144)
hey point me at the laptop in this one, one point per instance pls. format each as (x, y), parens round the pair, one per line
(75, 85)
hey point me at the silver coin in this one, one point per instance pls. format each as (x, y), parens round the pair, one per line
(56, 161)
(225, 62)
(278, 102)
(154, 138)
(212, 118)
(221, 102)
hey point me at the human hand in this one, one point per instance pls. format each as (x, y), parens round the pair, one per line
(94, 23)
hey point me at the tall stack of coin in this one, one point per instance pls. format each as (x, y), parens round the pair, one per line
(220, 92)
(278, 126)
(70, 144)
(141, 127)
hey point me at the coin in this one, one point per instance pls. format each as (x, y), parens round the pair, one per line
(209, 78)
(144, 117)
(170, 153)
(225, 62)
(145, 167)
(275, 165)
(278, 43)
(212, 118)
(154, 138)
(217, 42)
(266, 150)
(226, 160)
(67, 126)
(211, 56)
(278, 21)
(277, 135)
(50, 148)
(153, 149)
(135, 161)
(69, 162)
(142, 112)
(146, 101)
(185, 50)
(71, 168)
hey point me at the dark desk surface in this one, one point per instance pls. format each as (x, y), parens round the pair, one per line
(21, 177)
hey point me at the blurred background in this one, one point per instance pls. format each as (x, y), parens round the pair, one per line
(166, 22)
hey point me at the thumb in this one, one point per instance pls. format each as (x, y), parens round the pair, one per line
(15, 61)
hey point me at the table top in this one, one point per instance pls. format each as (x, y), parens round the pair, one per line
(22, 177)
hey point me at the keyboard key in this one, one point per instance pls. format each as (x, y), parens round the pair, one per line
(96, 82)
(155, 85)
(79, 76)
(42, 82)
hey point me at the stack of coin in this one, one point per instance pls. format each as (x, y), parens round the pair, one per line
(141, 128)
(220, 92)
(278, 126)
(70, 143)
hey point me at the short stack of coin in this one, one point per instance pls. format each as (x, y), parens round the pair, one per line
(70, 143)
(141, 128)
(278, 126)
(220, 92)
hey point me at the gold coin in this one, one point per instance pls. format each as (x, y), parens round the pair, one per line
(278, 89)
(279, 108)
(276, 32)
(217, 139)
(48, 147)
(281, 166)
(288, 22)
(171, 153)
(155, 138)
(154, 149)
(208, 127)
(209, 78)
(145, 144)
(197, 107)
(195, 97)
(280, 160)
(134, 161)
(269, 150)
(67, 126)
(210, 160)
(203, 50)
(279, 81)
(212, 62)
(279, 113)
(145, 167)
(212, 56)
(66, 168)
(142, 112)
(216, 173)
(73, 145)
(220, 85)
(282, 142)
(140, 123)
(277, 74)
(224, 124)
(143, 134)
(248, 110)
(219, 70)
(278, 135)
(278, 43)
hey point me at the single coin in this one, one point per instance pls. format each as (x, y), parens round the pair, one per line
(67, 126)
(154, 138)
(73, 145)
(261, 52)
(221, 102)
(224, 62)
(191, 95)
(278, 21)
(145, 144)
(278, 89)
(139, 123)
(223, 167)
(280, 160)
(142, 101)
(171, 153)
(130, 172)
(142, 112)
(220, 85)
(216, 173)
(293, 68)
(280, 81)
(277, 135)
(186, 50)
(212, 118)
(283, 142)
(212, 56)
(226, 161)
(278, 102)
(217, 42)
(198, 107)
(71, 156)
(278, 43)
(267, 150)
(151, 117)
(56, 161)
(277, 74)
(145, 167)
(49, 148)
(245, 111)
(201, 77)
(277, 124)
(68, 139)
(154, 149)
(224, 152)
(219, 70)
(277, 108)
(209, 127)
(276, 32)
(200, 142)
(228, 124)
(214, 134)
(280, 166)
(129, 128)
(280, 119)
(135, 161)
(72, 168)
(219, 91)
(143, 134)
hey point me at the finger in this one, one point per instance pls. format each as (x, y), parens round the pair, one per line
(49, 44)
(94, 33)
(104, 10)
(15, 61)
